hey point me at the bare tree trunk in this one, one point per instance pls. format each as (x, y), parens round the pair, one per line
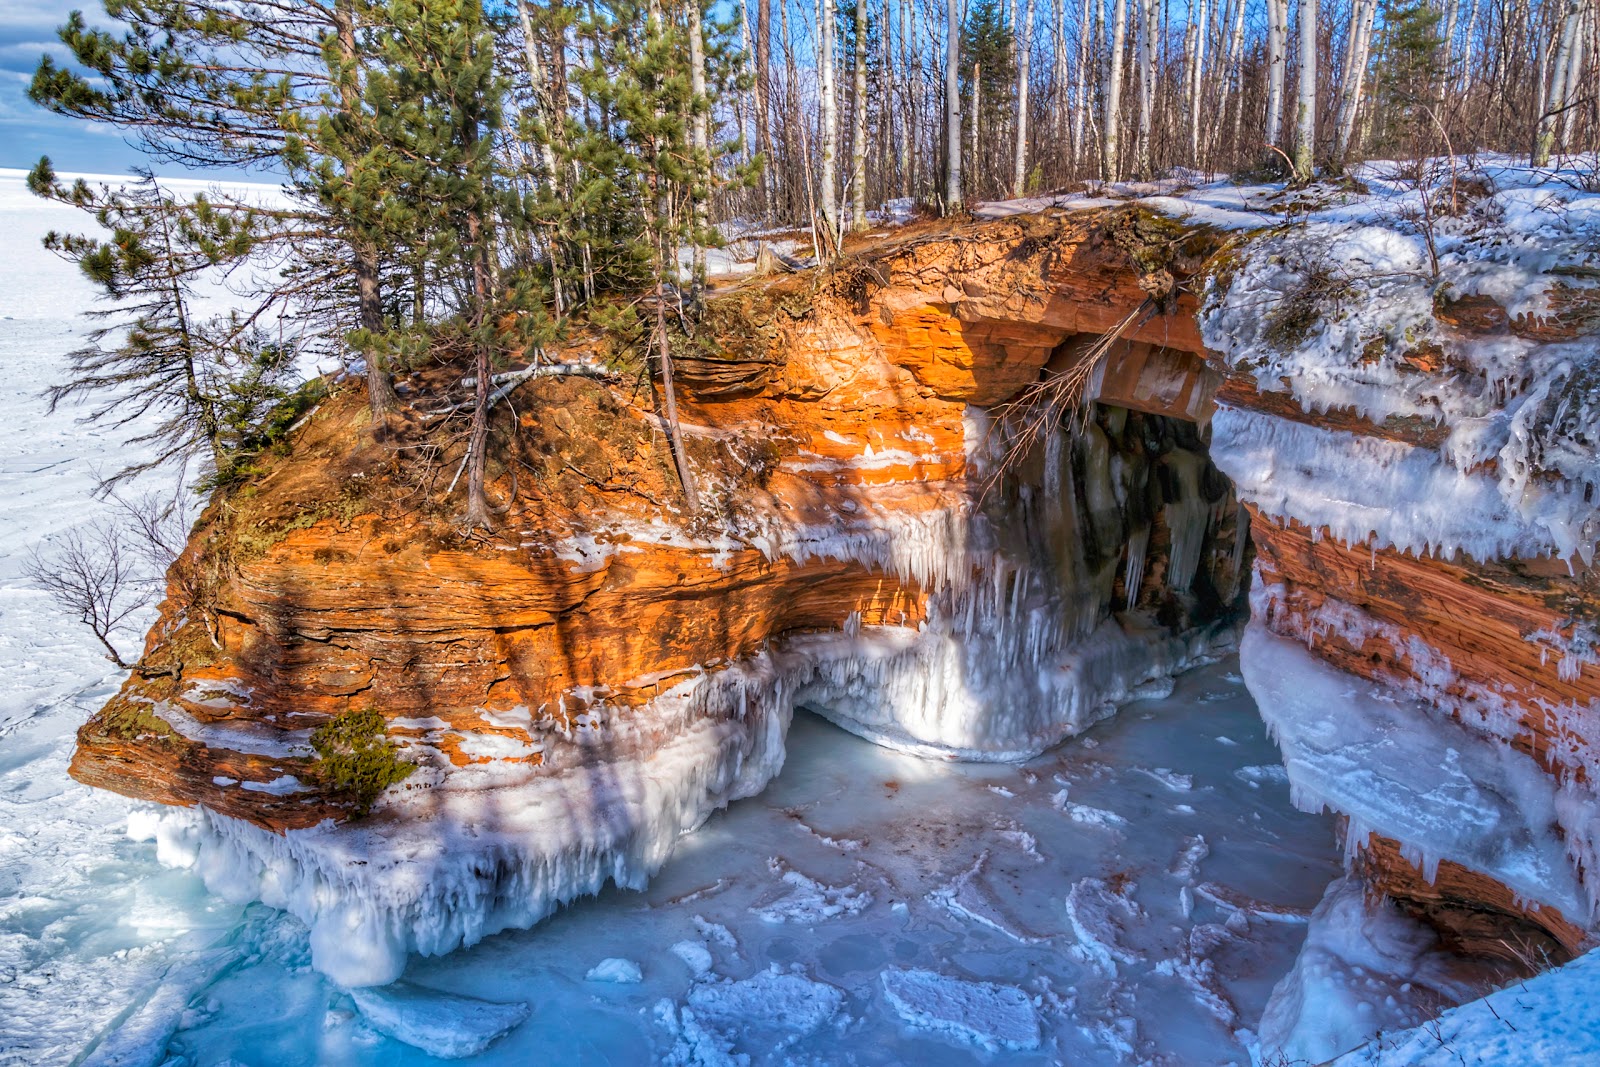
(478, 517)
(1058, 81)
(691, 496)
(541, 95)
(1355, 72)
(699, 143)
(1024, 38)
(953, 203)
(886, 97)
(975, 137)
(1574, 76)
(1195, 61)
(1305, 139)
(1235, 76)
(858, 138)
(1145, 43)
(763, 102)
(381, 398)
(907, 109)
(830, 123)
(1277, 66)
(1109, 169)
(1080, 94)
(1551, 113)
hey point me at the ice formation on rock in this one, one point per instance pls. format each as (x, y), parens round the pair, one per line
(1365, 968)
(1397, 766)
(1550, 1019)
(496, 846)
(1348, 312)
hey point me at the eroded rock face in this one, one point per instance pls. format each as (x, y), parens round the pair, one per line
(859, 555)
(860, 552)
(1423, 496)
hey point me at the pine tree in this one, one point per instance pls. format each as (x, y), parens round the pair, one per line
(986, 47)
(209, 382)
(257, 83)
(1405, 76)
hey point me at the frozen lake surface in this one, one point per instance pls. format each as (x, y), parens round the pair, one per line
(1129, 897)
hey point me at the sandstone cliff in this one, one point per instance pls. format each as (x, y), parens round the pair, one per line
(861, 553)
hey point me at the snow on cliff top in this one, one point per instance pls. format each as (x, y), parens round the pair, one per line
(1449, 300)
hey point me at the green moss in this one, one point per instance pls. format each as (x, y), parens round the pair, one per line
(126, 720)
(355, 756)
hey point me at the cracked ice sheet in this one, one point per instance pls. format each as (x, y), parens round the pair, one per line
(923, 828)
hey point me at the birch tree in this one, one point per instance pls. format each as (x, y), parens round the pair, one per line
(829, 105)
(1109, 170)
(1357, 50)
(1277, 66)
(1019, 179)
(858, 138)
(1305, 139)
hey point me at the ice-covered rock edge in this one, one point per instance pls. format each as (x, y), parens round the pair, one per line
(1334, 309)
(500, 845)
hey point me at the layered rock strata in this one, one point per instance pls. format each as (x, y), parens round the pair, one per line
(1413, 447)
(604, 670)
(1412, 428)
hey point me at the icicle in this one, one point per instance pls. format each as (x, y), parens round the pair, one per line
(1137, 548)
(1186, 519)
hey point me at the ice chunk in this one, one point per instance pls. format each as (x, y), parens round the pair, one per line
(1102, 919)
(280, 786)
(695, 955)
(810, 901)
(772, 999)
(440, 1024)
(616, 970)
(968, 896)
(990, 1015)
(1362, 970)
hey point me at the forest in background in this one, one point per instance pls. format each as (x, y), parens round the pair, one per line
(465, 182)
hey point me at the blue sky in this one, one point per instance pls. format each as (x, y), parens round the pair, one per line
(28, 31)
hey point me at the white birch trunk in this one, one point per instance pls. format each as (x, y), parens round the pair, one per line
(830, 122)
(1234, 85)
(1305, 137)
(1080, 94)
(1019, 178)
(1146, 47)
(976, 177)
(1551, 113)
(1194, 60)
(952, 111)
(1058, 73)
(1355, 73)
(699, 141)
(907, 111)
(1575, 76)
(541, 96)
(1109, 163)
(858, 128)
(1277, 64)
